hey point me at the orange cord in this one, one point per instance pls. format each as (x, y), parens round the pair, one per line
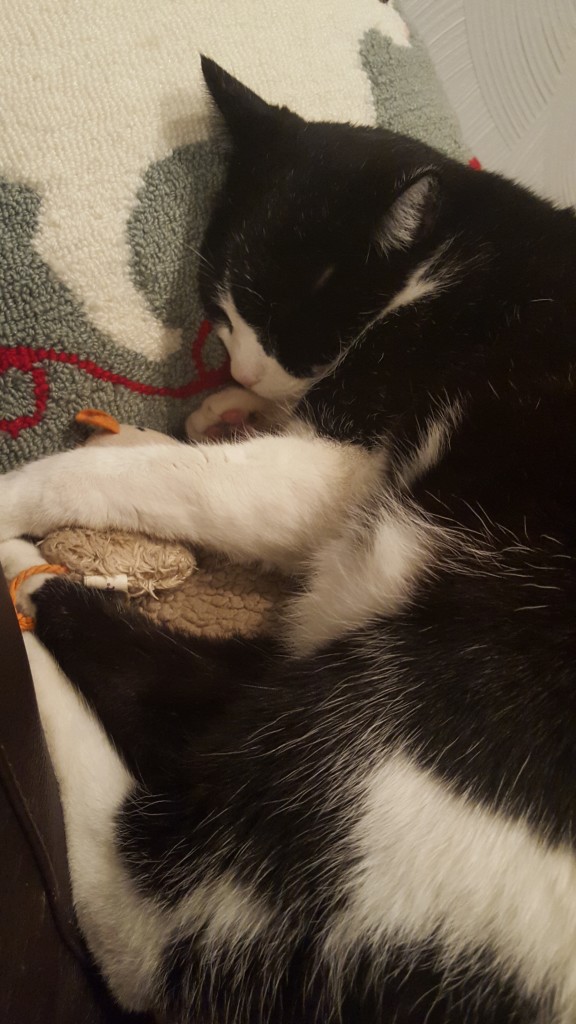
(26, 622)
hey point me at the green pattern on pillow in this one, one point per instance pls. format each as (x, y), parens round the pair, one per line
(166, 228)
(408, 98)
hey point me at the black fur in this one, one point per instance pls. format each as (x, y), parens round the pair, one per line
(197, 723)
(234, 744)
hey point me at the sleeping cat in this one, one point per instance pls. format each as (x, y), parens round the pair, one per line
(372, 816)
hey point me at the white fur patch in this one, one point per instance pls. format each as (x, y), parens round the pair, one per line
(418, 286)
(402, 221)
(356, 578)
(433, 866)
(434, 442)
(249, 363)
(228, 912)
(431, 276)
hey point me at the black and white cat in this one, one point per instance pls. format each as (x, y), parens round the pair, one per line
(371, 818)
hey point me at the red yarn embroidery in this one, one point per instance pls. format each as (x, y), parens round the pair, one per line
(26, 359)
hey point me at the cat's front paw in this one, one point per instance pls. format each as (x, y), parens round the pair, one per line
(230, 413)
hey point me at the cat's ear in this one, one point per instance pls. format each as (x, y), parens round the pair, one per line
(244, 112)
(412, 214)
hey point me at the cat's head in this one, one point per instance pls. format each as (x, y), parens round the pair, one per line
(318, 227)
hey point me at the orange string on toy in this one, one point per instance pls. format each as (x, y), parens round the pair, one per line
(26, 622)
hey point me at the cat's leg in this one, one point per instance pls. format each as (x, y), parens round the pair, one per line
(155, 691)
(94, 783)
(268, 498)
(152, 689)
(231, 412)
(115, 736)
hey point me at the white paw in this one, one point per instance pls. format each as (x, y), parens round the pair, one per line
(15, 557)
(226, 413)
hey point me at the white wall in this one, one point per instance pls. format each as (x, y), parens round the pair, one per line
(509, 68)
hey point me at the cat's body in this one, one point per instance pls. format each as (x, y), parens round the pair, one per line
(371, 818)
